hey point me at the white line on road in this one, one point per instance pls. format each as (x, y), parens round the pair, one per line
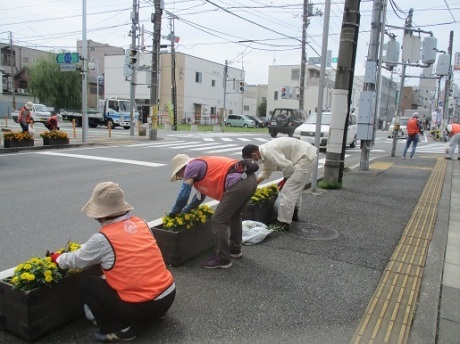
(98, 158)
(226, 139)
(218, 146)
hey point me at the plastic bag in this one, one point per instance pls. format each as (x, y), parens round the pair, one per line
(31, 132)
(254, 232)
(446, 148)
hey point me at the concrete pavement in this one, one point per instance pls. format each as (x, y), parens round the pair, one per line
(376, 261)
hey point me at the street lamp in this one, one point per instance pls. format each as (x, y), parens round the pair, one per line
(95, 66)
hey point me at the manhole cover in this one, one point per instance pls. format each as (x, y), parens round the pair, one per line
(313, 231)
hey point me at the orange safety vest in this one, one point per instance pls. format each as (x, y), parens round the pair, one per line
(413, 127)
(455, 129)
(21, 114)
(139, 272)
(213, 183)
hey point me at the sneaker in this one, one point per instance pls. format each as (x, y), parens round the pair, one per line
(126, 335)
(236, 254)
(277, 226)
(216, 262)
(295, 215)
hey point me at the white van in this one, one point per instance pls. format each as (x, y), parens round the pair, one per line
(38, 113)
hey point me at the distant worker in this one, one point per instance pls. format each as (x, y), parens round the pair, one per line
(52, 123)
(453, 131)
(25, 118)
(296, 160)
(414, 129)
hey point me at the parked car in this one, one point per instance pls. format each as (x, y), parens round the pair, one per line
(259, 122)
(239, 121)
(307, 131)
(402, 127)
(285, 121)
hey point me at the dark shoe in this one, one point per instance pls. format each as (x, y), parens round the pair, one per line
(295, 216)
(236, 254)
(277, 226)
(126, 335)
(448, 158)
(216, 262)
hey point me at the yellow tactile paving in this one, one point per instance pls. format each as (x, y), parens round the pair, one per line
(388, 316)
(380, 165)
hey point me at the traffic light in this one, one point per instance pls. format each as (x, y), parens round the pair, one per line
(241, 86)
(283, 92)
(133, 57)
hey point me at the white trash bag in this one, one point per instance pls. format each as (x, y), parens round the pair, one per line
(31, 132)
(254, 232)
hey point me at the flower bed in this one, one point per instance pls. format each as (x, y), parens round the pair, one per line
(260, 206)
(40, 297)
(54, 137)
(185, 236)
(17, 139)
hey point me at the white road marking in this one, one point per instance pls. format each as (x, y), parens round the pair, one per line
(226, 139)
(208, 139)
(190, 146)
(218, 146)
(98, 158)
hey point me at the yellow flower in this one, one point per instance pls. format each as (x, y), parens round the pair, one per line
(48, 278)
(27, 266)
(47, 273)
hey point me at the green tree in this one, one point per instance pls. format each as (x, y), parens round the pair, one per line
(53, 87)
(262, 108)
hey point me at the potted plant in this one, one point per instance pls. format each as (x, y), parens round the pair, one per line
(260, 206)
(182, 237)
(39, 297)
(54, 137)
(17, 139)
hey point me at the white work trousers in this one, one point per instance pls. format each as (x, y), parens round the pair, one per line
(291, 194)
(454, 141)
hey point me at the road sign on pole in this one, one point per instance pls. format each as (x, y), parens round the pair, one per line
(67, 67)
(67, 58)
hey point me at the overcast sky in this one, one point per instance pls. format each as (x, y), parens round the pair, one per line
(214, 30)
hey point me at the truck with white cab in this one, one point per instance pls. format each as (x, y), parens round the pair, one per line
(114, 110)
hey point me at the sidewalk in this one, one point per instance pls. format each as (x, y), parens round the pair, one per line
(324, 280)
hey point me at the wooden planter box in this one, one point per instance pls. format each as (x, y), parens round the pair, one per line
(261, 213)
(18, 144)
(55, 142)
(32, 313)
(179, 247)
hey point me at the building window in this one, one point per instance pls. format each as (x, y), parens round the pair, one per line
(198, 77)
(295, 74)
(25, 59)
(213, 83)
(275, 95)
(246, 107)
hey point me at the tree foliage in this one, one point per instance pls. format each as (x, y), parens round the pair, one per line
(262, 108)
(53, 87)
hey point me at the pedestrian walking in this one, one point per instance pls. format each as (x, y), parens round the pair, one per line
(24, 118)
(136, 286)
(222, 179)
(414, 129)
(453, 131)
(296, 159)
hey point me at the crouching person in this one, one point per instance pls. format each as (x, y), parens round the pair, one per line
(136, 286)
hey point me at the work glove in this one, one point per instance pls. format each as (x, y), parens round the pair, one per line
(54, 256)
(281, 184)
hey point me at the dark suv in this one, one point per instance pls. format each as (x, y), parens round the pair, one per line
(285, 121)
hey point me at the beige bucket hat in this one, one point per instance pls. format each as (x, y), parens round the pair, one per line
(178, 162)
(107, 201)
(29, 105)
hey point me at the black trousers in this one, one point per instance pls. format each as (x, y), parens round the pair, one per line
(113, 314)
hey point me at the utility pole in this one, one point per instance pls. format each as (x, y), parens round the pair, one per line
(342, 91)
(132, 90)
(403, 76)
(173, 76)
(366, 117)
(303, 62)
(445, 105)
(12, 62)
(224, 110)
(84, 80)
(154, 76)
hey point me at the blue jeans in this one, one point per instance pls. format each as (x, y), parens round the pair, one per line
(414, 141)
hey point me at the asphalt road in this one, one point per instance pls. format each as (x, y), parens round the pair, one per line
(44, 191)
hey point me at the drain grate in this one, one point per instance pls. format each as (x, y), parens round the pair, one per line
(313, 231)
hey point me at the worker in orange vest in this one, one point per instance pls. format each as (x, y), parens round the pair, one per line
(24, 118)
(414, 129)
(52, 123)
(453, 131)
